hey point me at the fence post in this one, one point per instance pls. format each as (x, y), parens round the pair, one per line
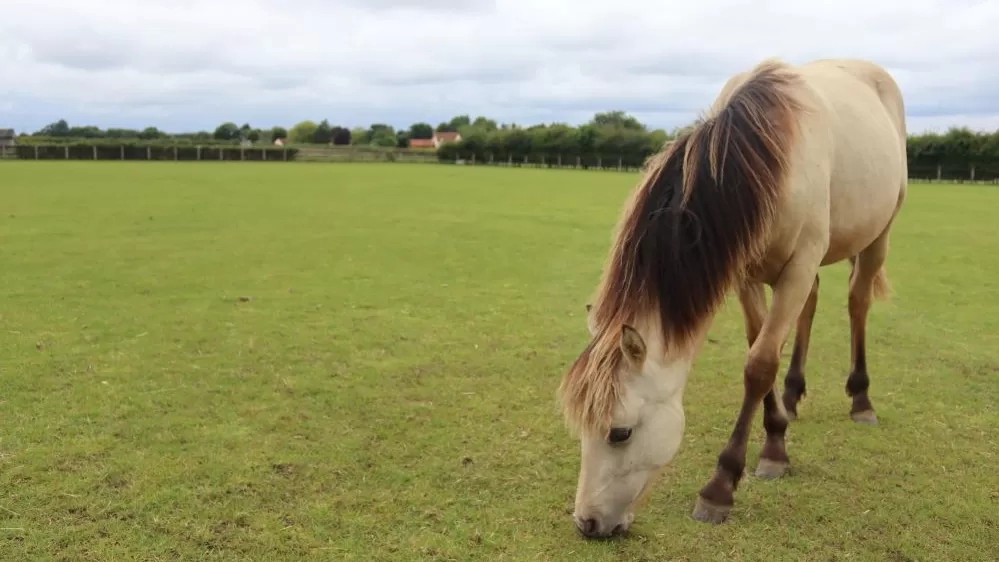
(95, 151)
(972, 172)
(197, 154)
(36, 152)
(149, 153)
(66, 151)
(285, 153)
(121, 151)
(174, 153)
(939, 172)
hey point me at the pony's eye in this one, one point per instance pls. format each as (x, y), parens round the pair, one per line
(619, 434)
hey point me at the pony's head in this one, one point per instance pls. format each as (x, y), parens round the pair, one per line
(628, 409)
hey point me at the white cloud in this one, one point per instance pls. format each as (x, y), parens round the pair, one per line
(189, 64)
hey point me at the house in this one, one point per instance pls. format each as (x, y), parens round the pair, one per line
(422, 143)
(7, 137)
(439, 138)
(443, 137)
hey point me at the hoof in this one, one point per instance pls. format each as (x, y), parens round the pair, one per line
(708, 512)
(867, 417)
(769, 469)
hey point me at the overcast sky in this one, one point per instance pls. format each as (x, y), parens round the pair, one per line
(186, 65)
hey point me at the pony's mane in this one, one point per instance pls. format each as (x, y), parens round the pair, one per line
(701, 214)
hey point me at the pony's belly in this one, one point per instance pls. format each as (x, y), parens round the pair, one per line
(848, 239)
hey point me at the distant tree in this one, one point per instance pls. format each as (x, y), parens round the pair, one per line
(617, 119)
(421, 131)
(402, 139)
(58, 129)
(323, 133)
(227, 131)
(383, 136)
(151, 133)
(380, 129)
(278, 133)
(122, 134)
(459, 121)
(360, 135)
(85, 132)
(484, 124)
(341, 136)
(302, 131)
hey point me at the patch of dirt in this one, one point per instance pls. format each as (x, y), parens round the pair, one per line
(285, 468)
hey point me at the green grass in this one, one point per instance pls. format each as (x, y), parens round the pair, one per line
(358, 362)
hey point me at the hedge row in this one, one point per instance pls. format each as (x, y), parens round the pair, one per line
(136, 151)
(958, 154)
(127, 141)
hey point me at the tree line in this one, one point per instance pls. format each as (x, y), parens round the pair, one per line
(609, 139)
(304, 133)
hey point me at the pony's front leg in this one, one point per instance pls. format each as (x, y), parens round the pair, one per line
(716, 498)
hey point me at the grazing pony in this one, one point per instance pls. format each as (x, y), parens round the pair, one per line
(793, 168)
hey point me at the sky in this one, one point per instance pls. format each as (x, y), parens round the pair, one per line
(186, 65)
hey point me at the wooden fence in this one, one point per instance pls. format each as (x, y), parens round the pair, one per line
(980, 173)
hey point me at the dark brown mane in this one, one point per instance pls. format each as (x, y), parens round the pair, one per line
(700, 216)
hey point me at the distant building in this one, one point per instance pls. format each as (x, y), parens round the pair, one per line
(7, 137)
(439, 138)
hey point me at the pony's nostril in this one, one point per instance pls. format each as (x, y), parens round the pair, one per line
(588, 526)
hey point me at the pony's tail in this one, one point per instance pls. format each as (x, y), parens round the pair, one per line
(881, 288)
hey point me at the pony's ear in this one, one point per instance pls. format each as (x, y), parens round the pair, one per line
(632, 345)
(590, 324)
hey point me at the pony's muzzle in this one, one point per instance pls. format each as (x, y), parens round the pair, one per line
(592, 527)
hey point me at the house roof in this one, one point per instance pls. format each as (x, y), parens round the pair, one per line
(6, 133)
(447, 135)
(421, 143)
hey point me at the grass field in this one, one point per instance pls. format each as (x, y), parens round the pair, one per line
(358, 362)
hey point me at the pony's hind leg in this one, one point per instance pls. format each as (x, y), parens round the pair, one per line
(867, 280)
(794, 381)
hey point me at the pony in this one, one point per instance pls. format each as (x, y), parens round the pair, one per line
(792, 168)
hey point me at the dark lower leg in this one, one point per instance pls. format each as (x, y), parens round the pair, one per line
(774, 461)
(794, 381)
(858, 382)
(718, 495)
